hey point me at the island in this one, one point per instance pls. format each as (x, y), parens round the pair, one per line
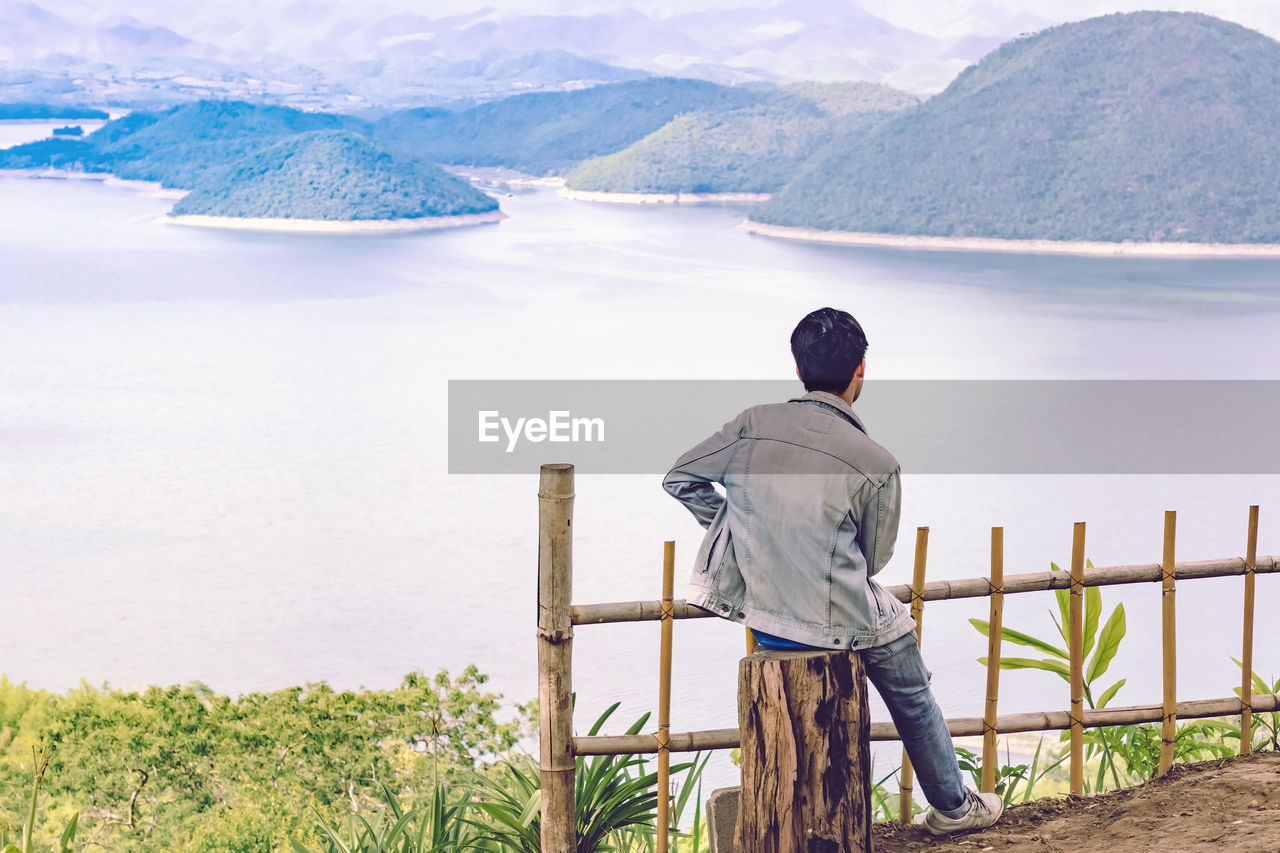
(236, 164)
(329, 181)
(43, 112)
(1084, 133)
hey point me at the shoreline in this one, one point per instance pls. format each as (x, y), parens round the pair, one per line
(153, 189)
(334, 226)
(1027, 247)
(663, 198)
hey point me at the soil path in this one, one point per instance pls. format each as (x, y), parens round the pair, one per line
(1231, 805)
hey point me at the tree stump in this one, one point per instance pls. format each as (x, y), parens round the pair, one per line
(805, 727)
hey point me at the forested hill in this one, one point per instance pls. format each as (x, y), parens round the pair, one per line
(186, 142)
(27, 111)
(335, 176)
(1147, 126)
(185, 147)
(550, 132)
(754, 149)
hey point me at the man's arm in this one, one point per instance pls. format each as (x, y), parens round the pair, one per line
(878, 523)
(690, 479)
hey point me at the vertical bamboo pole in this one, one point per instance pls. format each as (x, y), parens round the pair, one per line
(1246, 655)
(664, 696)
(1169, 726)
(917, 613)
(1077, 659)
(555, 658)
(989, 759)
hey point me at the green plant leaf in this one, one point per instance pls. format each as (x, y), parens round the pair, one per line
(1027, 639)
(69, 834)
(1110, 693)
(1092, 615)
(1108, 644)
(1029, 663)
(1064, 610)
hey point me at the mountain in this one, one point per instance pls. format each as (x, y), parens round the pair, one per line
(322, 54)
(11, 111)
(184, 144)
(755, 149)
(180, 147)
(1148, 126)
(336, 176)
(550, 132)
(32, 32)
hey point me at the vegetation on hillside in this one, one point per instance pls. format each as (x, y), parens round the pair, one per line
(336, 176)
(25, 110)
(550, 132)
(185, 147)
(191, 146)
(1148, 126)
(185, 768)
(249, 160)
(754, 149)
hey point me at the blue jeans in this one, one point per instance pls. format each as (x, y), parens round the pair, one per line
(898, 672)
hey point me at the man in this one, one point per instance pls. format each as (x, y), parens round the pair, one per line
(809, 514)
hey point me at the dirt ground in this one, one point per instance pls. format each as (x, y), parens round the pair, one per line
(1218, 805)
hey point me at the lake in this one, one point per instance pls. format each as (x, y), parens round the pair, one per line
(20, 131)
(223, 454)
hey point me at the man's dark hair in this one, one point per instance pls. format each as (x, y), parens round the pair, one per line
(828, 345)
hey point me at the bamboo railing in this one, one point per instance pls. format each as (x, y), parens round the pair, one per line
(557, 617)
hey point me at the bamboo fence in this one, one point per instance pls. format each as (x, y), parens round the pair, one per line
(557, 618)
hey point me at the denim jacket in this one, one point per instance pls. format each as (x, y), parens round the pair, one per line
(809, 514)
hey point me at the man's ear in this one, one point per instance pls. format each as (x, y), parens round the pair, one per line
(798, 376)
(862, 369)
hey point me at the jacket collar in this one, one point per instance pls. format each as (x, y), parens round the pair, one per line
(828, 399)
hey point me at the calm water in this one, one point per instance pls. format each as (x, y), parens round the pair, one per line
(223, 458)
(32, 130)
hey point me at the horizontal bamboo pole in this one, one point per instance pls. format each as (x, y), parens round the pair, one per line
(1040, 721)
(676, 742)
(651, 611)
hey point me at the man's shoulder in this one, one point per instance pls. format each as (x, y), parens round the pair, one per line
(820, 428)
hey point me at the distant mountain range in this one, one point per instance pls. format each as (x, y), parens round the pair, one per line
(1142, 127)
(313, 53)
(551, 132)
(243, 159)
(1151, 126)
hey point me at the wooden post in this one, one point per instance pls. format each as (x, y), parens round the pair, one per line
(751, 641)
(917, 613)
(1077, 659)
(555, 658)
(806, 762)
(664, 697)
(1169, 725)
(989, 758)
(1246, 655)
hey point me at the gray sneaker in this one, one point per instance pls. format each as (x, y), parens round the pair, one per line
(984, 810)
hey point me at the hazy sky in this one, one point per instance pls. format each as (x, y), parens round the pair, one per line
(937, 17)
